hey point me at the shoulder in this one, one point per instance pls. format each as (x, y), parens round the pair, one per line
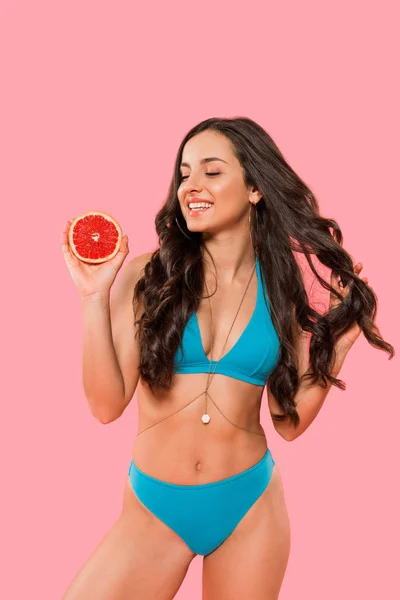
(137, 264)
(130, 273)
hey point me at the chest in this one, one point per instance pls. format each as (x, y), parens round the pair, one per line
(221, 327)
(246, 345)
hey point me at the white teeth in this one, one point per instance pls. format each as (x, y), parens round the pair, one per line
(199, 204)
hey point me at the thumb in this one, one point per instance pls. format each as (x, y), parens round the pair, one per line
(122, 252)
(124, 244)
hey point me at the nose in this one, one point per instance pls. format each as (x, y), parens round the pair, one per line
(191, 185)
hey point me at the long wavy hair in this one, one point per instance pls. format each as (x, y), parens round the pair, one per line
(287, 221)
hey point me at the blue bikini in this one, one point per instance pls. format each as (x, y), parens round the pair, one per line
(253, 356)
(205, 515)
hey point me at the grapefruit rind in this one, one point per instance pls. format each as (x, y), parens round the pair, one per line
(74, 248)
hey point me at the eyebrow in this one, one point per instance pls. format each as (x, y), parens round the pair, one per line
(205, 160)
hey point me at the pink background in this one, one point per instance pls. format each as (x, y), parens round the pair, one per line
(95, 100)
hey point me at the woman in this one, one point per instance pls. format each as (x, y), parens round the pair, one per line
(220, 311)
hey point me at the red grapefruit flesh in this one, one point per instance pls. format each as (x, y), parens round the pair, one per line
(94, 237)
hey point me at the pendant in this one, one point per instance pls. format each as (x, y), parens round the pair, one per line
(206, 418)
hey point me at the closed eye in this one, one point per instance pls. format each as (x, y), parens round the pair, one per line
(209, 174)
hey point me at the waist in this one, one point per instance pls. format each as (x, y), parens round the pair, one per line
(187, 466)
(265, 462)
(195, 453)
(176, 445)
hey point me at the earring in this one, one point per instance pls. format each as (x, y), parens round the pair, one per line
(250, 211)
(253, 204)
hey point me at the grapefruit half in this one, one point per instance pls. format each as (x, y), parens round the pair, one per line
(94, 237)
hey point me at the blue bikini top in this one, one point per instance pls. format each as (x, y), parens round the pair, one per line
(252, 358)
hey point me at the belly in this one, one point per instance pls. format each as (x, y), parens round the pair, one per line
(184, 450)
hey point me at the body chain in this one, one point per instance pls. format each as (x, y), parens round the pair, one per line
(211, 375)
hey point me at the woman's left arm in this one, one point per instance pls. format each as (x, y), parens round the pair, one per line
(309, 400)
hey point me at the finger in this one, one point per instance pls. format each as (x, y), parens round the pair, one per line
(64, 237)
(71, 260)
(124, 245)
(358, 268)
(335, 283)
(69, 256)
(122, 253)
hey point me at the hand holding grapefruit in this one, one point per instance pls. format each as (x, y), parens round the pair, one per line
(94, 250)
(94, 237)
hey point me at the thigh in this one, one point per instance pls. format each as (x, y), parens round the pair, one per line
(138, 558)
(252, 561)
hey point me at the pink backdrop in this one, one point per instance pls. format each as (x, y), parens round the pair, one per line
(95, 100)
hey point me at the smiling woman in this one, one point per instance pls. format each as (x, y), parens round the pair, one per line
(221, 301)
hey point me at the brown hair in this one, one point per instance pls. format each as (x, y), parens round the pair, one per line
(287, 221)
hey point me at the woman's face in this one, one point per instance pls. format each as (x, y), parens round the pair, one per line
(219, 182)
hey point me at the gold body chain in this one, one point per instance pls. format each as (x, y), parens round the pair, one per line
(206, 417)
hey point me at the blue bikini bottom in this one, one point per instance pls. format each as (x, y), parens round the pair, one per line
(203, 515)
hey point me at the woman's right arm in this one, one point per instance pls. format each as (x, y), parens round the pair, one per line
(110, 365)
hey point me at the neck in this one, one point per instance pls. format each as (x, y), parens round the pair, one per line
(229, 261)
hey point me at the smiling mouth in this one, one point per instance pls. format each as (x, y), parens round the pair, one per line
(199, 208)
(195, 212)
(199, 204)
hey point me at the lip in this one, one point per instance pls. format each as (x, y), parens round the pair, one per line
(196, 199)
